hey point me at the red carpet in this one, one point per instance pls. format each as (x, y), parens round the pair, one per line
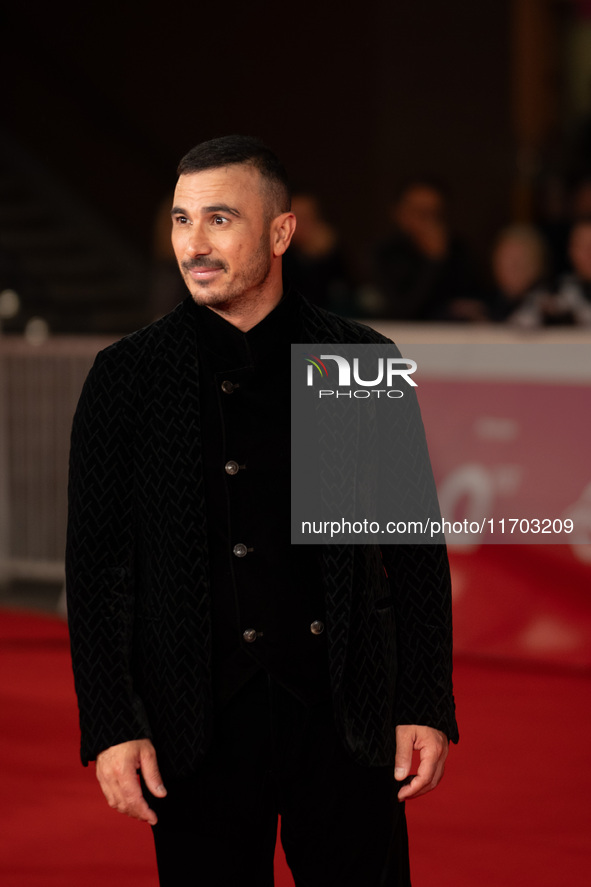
(512, 810)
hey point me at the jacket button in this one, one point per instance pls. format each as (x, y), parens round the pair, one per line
(232, 467)
(317, 627)
(228, 387)
(249, 635)
(240, 549)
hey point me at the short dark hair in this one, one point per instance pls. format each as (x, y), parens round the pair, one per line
(432, 182)
(238, 149)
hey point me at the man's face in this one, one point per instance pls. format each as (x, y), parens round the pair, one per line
(221, 236)
(580, 250)
(516, 265)
(420, 207)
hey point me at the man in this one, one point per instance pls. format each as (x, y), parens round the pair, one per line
(422, 271)
(247, 677)
(315, 263)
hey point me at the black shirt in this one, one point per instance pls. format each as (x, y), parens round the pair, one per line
(266, 595)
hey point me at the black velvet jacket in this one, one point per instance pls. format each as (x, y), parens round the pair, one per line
(137, 570)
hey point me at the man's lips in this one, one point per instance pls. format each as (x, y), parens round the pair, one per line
(203, 272)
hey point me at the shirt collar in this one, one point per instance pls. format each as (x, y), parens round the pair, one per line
(228, 347)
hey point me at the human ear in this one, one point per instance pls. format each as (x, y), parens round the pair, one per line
(282, 228)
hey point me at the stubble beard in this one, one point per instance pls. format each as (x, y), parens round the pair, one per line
(245, 291)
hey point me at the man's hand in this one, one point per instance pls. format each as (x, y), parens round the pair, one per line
(116, 770)
(432, 745)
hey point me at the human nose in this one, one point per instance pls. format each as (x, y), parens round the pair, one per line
(197, 243)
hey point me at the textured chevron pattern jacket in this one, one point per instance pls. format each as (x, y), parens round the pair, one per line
(136, 566)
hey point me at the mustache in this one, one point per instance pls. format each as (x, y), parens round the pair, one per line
(203, 262)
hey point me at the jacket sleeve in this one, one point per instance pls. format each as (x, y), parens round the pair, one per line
(100, 559)
(420, 581)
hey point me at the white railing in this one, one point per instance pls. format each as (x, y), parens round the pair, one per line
(39, 388)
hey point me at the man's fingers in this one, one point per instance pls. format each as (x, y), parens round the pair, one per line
(404, 748)
(116, 770)
(151, 773)
(428, 776)
(133, 803)
(124, 794)
(424, 777)
(432, 746)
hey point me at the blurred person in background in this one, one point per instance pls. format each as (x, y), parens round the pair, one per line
(519, 266)
(422, 270)
(315, 263)
(559, 205)
(569, 302)
(574, 290)
(552, 219)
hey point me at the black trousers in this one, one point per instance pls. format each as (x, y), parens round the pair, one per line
(341, 824)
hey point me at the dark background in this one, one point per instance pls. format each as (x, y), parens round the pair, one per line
(107, 97)
(112, 95)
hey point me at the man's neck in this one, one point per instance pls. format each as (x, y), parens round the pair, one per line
(245, 317)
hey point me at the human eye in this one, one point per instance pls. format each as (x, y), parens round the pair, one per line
(218, 220)
(179, 219)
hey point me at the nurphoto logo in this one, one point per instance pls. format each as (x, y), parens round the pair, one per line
(388, 369)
